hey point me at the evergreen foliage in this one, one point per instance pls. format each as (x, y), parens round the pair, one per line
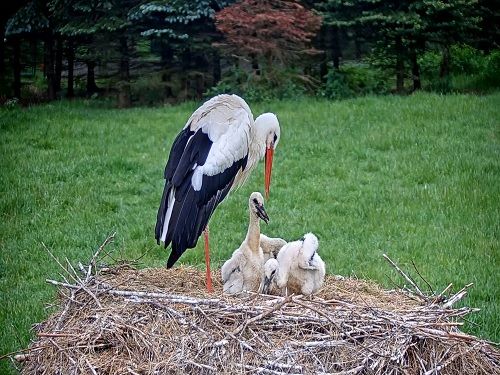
(28, 19)
(187, 49)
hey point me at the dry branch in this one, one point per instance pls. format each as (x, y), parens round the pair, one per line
(407, 278)
(457, 296)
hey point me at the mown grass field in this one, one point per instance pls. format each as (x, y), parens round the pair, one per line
(415, 177)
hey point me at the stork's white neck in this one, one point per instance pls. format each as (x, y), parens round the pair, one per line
(262, 132)
(256, 150)
(253, 233)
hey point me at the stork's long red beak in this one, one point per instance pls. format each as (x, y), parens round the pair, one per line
(269, 166)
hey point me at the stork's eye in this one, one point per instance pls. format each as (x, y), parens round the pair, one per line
(255, 201)
(275, 137)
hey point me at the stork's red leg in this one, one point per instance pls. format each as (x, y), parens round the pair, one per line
(207, 261)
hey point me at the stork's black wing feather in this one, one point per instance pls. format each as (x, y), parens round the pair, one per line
(176, 152)
(192, 212)
(191, 209)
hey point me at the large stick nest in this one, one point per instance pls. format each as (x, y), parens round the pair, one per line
(125, 321)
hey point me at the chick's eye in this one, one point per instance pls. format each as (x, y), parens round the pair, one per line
(255, 201)
(272, 273)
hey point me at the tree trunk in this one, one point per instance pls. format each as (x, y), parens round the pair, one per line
(336, 48)
(34, 55)
(17, 68)
(323, 70)
(216, 72)
(2, 51)
(49, 66)
(200, 85)
(91, 85)
(444, 70)
(357, 48)
(238, 76)
(323, 46)
(186, 58)
(167, 54)
(124, 59)
(124, 100)
(270, 70)
(186, 65)
(200, 73)
(58, 64)
(255, 64)
(71, 67)
(400, 66)
(415, 71)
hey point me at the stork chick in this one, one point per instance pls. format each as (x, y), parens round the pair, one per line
(244, 270)
(298, 268)
(271, 246)
(269, 284)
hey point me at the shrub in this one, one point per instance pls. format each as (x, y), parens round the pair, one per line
(336, 86)
(353, 80)
(491, 70)
(231, 83)
(443, 85)
(430, 63)
(12, 103)
(466, 60)
(470, 70)
(283, 84)
(148, 90)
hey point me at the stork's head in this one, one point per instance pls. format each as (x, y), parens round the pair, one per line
(270, 270)
(268, 132)
(256, 205)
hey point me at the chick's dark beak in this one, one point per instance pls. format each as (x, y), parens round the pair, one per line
(261, 212)
(266, 284)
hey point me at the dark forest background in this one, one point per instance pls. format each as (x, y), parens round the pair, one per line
(143, 52)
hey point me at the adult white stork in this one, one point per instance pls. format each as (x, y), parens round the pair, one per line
(213, 154)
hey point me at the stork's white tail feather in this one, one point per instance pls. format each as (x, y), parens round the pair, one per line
(310, 245)
(168, 214)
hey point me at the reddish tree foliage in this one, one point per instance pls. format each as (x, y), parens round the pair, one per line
(268, 28)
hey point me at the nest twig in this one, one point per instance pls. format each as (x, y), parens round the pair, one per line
(123, 320)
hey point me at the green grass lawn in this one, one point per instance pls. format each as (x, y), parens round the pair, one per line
(415, 177)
